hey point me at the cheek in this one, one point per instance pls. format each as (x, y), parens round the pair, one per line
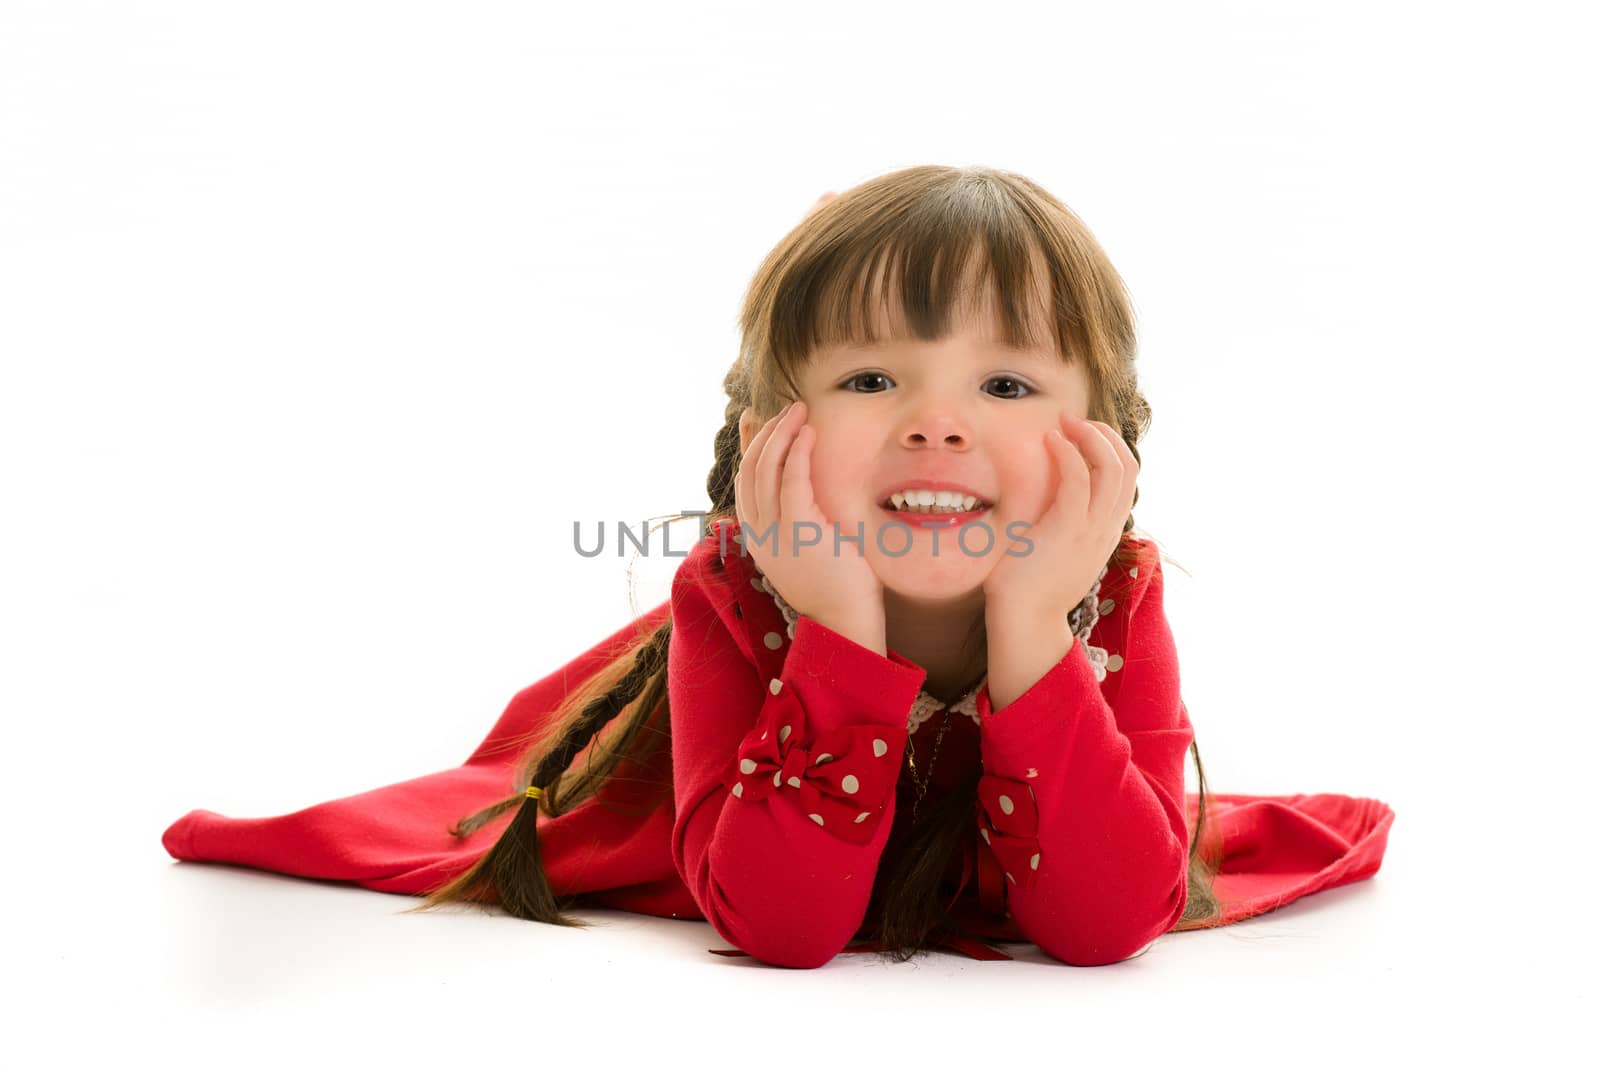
(828, 481)
(1026, 475)
(839, 476)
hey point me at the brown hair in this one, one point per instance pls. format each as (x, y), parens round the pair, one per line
(907, 238)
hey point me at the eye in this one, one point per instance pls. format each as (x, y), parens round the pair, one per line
(868, 375)
(862, 375)
(1015, 382)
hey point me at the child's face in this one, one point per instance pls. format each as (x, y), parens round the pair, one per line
(963, 410)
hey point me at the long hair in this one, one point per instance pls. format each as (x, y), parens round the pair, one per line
(904, 241)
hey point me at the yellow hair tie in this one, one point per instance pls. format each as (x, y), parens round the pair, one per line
(534, 792)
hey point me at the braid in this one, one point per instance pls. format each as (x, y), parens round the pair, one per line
(511, 871)
(726, 448)
(604, 709)
(1135, 419)
(1127, 524)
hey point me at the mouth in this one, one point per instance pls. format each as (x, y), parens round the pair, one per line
(935, 515)
(924, 503)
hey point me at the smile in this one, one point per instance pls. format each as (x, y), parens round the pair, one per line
(934, 518)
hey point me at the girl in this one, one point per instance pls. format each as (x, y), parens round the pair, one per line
(914, 686)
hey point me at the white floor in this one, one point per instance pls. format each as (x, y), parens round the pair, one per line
(203, 964)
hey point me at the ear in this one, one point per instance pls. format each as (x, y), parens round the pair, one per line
(748, 425)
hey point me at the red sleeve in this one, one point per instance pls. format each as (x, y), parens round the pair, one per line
(785, 756)
(1082, 798)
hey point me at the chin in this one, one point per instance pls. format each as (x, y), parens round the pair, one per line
(918, 575)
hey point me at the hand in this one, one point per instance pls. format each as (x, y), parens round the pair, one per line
(773, 490)
(1079, 529)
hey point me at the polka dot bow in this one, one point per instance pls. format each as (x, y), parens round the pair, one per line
(1008, 819)
(841, 782)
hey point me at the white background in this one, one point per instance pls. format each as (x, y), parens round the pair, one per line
(322, 321)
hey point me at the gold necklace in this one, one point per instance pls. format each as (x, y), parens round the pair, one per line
(922, 785)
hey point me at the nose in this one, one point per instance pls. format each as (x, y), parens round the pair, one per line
(936, 428)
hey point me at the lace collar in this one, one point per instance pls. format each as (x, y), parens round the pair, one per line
(1082, 618)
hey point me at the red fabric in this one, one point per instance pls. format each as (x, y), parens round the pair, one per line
(1091, 773)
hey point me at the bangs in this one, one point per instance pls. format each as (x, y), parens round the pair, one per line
(915, 256)
(920, 277)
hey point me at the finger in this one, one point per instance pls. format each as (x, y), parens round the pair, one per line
(1119, 497)
(1130, 467)
(1105, 466)
(1130, 470)
(746, 491)
(1120, 447)
(1119, 444)
(795, 498)
(744, 475)
(1072, 479)
(769, 468)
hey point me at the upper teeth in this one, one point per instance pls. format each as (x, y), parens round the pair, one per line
(933, 498)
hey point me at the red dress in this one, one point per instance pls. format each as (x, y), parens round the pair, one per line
(784, 772)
